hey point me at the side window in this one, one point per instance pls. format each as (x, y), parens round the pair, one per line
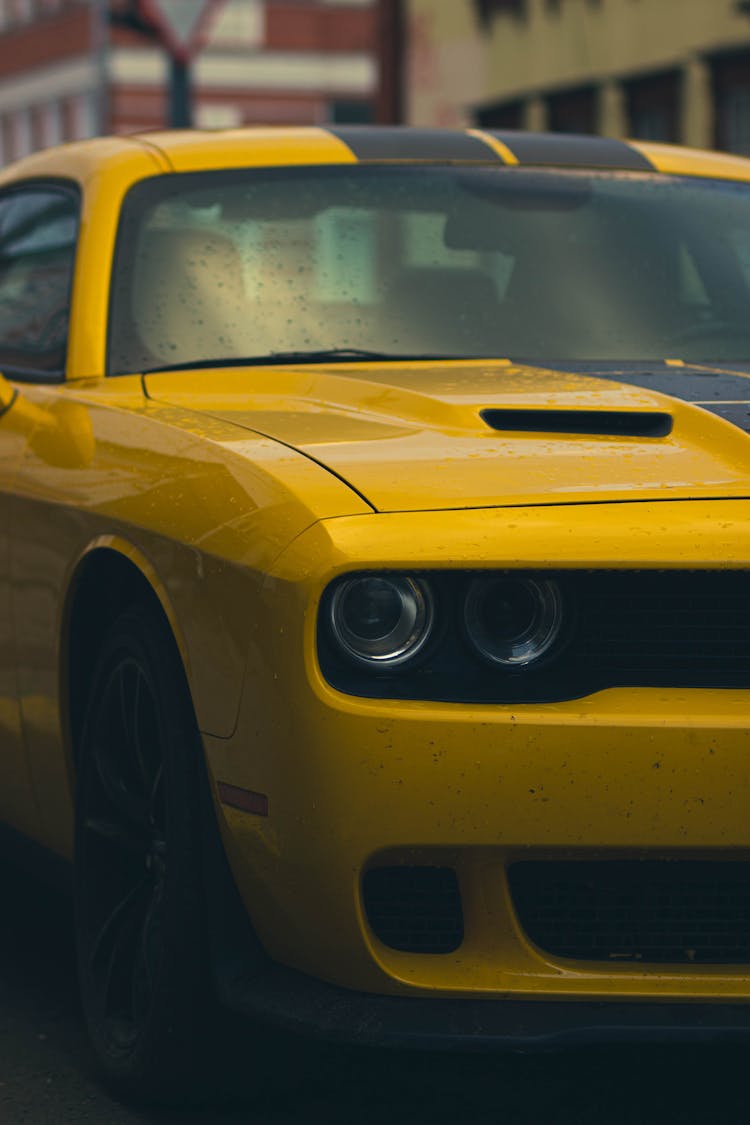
(38, 227)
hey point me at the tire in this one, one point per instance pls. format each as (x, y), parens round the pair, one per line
(140, 922)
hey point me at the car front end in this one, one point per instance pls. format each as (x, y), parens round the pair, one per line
(449, 525)
(424, 840)
(488, 779)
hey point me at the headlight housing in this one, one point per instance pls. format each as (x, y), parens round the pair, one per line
(513, 620)
(381, 620)
(512, 636)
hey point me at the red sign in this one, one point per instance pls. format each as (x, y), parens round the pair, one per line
(182, 25)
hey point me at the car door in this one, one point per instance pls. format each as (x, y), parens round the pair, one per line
(38, 224)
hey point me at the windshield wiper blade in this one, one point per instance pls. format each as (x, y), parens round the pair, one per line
(322, 356)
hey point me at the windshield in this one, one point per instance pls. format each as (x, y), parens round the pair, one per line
(453, 261)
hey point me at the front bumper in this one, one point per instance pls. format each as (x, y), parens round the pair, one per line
(299, 1004)
(351, 783)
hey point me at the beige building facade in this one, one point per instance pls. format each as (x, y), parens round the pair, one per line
(666, 70)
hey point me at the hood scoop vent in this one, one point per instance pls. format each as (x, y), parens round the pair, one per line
(600, 423)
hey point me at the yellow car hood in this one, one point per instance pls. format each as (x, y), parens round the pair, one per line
(423, 436)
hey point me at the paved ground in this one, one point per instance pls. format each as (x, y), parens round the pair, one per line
(46, 1079)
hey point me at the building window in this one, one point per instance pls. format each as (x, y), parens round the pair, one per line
(351, 112)
(508, 115)
(82, 117)
(732, 98)
(487, 9)
(737, 120)
(238, 23)
(21, 143)
(218, 115)
(19, 11)
(573, 111)
(49, 129)
(5, 139)
(653, 107)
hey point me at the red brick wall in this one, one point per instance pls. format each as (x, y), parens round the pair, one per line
(301, 27)
(51, 40)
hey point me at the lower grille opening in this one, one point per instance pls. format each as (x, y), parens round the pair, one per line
(414, 909)
(679, 912)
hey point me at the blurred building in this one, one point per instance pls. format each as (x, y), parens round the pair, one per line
(667, 70)
(73, 68)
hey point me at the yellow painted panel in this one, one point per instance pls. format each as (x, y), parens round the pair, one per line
(694, 162)
(192, 150)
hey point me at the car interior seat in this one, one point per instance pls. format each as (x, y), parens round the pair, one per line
(188, 300)
(432, 309)
(564, 300)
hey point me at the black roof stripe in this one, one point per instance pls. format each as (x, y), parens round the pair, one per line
(396, 142)
(573, 150)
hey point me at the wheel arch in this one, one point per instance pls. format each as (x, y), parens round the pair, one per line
(108, 577)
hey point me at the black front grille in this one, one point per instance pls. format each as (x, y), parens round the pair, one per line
(682, 629)
(414, 909)
(650, 911)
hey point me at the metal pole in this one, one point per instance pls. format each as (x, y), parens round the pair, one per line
(390, 96)
(180, 94)
(99, 50)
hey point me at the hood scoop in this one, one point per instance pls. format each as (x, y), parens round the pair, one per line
(600, 423)
(469, 434)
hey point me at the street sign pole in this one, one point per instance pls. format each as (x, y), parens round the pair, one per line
(182, 27)
(180, 93)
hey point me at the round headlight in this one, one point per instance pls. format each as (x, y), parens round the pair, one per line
(513, 621)
(381, 620)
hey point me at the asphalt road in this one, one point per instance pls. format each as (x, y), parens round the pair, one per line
(46, 1076)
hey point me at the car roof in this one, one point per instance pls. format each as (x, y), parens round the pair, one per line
(200, 149)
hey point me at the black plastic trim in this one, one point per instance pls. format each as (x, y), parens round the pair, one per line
(414, 907)
(604, 423)
(300, 1004)
(644, 911)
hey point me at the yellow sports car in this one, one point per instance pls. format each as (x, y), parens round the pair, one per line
(375, 601)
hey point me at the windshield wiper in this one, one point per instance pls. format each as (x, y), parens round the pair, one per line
(324, 355)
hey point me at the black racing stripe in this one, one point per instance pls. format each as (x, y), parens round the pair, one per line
(738, 413)
(719, 392)
(398, 142)
(573, 150)
(683, 383)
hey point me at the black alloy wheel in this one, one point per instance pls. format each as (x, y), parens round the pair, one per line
(139, 916)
